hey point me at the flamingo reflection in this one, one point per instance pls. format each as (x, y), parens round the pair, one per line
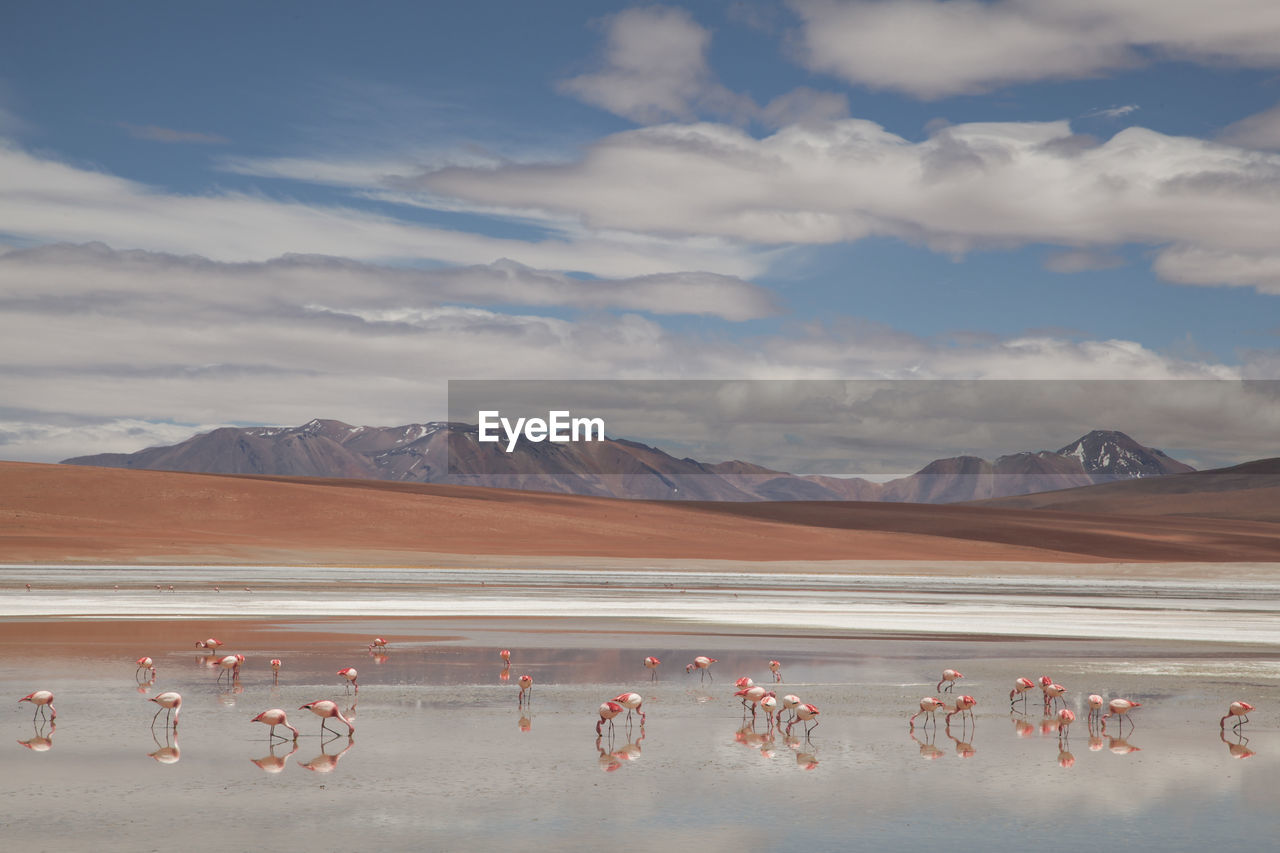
(964, 749)
(326, 761)
(1121, 746)
(928, 750)
(272, 763)
(1238, 748)
(1022, 727)
(41, 739)
(168, 753)
(608, 761)
(524, 723)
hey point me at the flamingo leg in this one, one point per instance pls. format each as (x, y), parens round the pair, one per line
(157, 716)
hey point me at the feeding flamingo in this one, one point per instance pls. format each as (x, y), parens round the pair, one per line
(804, 713)
(776, 668)
(1020, 688)
(1095, 705)
(702, 663)
(949, 678)
(608, 711)
(1237, 709)
(349, 673)
(230, 663)
(379, 644)
(145, 662)
(170, 701)
(631, 701)
(275, 717)
(1121, 708)
(526, 685)
(964, 705)
(928, 705)
(327, 709)
(40, 699)
(651, 663)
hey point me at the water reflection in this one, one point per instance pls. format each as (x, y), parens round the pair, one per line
(525, 723)
(41, 739)
(168, 752)
(964, 748)
(1121, 746)
(1238, 747)
(326, 761)
(272, 763)
(928, 750)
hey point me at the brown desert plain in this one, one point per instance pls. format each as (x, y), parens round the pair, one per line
(57, 514)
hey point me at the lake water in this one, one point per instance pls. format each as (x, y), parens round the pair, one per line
(443, 758)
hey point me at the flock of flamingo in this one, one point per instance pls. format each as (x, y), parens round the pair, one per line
(754, 697)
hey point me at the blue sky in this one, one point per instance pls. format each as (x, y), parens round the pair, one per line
(806, 189)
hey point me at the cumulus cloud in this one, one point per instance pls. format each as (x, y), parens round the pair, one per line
(937, 48)
(43, 200)
(966, 186)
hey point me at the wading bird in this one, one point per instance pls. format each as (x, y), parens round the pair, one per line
(526, 685)
(1020, 688)
(964, 705)
(804, 713)
(928, 705)
(1120, 707)
(146, 663)
(209, 645)
(631, 701)
(275, 670)
(326, 710)
(1237, 709)
(378, 645)
(1095, 705)
(170, 702)
(776, 668)
(651, 663)
(231, 664)
(949, 678)
(505, 654)
(608, 711)
(702, 663)
(40, 699)
(275, 717)
(349, 673)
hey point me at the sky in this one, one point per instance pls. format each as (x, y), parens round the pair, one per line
(239, 213)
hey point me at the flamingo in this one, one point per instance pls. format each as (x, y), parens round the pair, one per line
(964, 704)
(753, 695)
(651, 663)
(40, 699)
(505, 654)
(1095, 705)
(789, 703)
(608, 711)
(1020, 688)
(275, 670)
(378, 645)
(1052, 693)
(949, 677)
(230, 663)
(327, 709)
(630, 701)
(702, 663)
(1065, 718)
(1120, 707)
(1237, 709)
(770, 705)
(526, 684)
(170, 701)
(804, 713)
(145, 662)
(744, 682)
(776, 668)
(275, 717)
(928, 705)
(349, 673)
(209, 645)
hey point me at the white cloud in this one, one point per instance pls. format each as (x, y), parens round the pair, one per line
(1113, 112)
(968, 185)
(933, 49)
(43, 200)
(1261, 131)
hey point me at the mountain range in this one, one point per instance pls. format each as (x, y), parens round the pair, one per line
(449, 452)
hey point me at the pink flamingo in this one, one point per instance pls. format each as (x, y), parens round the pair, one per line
(608, 711)
(928, 705)
(379, 644)
(776, 668)
(170, 701)
(702, 663)
(789, 703)
(209, 645)
(1120, 707)
(275, 670)
(526, 685)
(651, 663)
(949, 678)
(1237, 709)
(631, 701)
(147, 663)
(1052, 693)
(275, 717)
(1095, 706)
(804, 713)
(40, 699)
(964, 705)
(327, 709)
(505, 654)
(752, 695)
(743, 683)
(231, 664)
(349, 673)
(1020, 688)
(770, 705)
(1065, 718)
